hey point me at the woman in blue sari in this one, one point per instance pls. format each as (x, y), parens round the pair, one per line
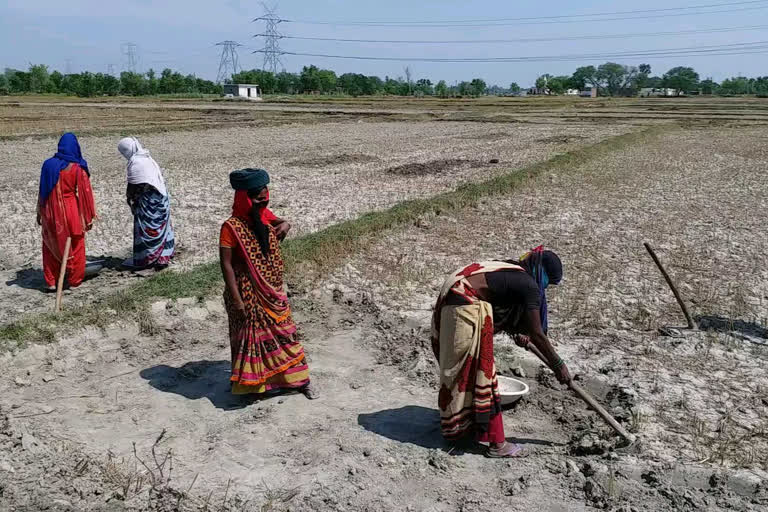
(147, 196)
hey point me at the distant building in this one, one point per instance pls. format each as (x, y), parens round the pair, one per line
(656, 92)
(589, 93)
(249, 91)
(572, 92)
(538, 91)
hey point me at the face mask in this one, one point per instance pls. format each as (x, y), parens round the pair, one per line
(260, 205)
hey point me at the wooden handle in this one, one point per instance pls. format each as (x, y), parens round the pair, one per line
(602, 412)
(671, 285)
(590, 401)
(62, 272)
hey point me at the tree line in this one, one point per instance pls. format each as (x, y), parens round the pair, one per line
(313, 80)
(610, 79)
(37, 79)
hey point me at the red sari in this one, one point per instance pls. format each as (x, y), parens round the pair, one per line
(68, 212)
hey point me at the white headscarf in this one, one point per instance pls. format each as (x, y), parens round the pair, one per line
(142, 168)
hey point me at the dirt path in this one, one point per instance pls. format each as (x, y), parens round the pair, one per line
(371, 441)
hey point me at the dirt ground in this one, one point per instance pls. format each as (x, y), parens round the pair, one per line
(354, 166)
(130, 419)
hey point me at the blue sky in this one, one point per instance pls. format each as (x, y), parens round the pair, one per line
(180, 34)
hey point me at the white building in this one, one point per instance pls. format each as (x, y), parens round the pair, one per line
(650, 92)
(249, 91)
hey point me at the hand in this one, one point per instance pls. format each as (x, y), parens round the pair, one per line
(521, 340)
(281, 230)
(239, 308)
(39, 219)
(562, 374)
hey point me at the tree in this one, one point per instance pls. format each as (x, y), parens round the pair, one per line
(734, 86)
(681, 79)
(132, 84)
(424, 87)
(585, 76)
(55, 80)
(542, 82)
(4, 87)
(39, 80)
(644, 71)
(514, 88)
(559, 84)
(708, 86)
(441, 89)
(618, 79)
(477, 87)
(152, 83)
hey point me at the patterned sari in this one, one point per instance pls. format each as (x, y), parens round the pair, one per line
(462, 340)
(153, 238)
(266, 352)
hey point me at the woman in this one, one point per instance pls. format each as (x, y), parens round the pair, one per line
(65, 209)
(147, 196)
(476, 302)
(266, 353)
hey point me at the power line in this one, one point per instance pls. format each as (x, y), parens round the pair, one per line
(532, 39)
(708, 50)
(271, 50)
(229, 62)
(544, 20)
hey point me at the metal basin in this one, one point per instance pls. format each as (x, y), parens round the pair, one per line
(511, 390)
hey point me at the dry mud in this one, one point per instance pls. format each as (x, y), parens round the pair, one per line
(321, 175)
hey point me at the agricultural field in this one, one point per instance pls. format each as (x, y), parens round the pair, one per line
(123, 403)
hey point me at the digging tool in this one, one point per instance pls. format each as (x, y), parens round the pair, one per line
(62, 272)
(589, 399)
(671, 284)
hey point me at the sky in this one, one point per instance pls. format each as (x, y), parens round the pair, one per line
(81, 35)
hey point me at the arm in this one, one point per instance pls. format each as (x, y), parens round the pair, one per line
(282, 227)
(541, 342)
(225, 258)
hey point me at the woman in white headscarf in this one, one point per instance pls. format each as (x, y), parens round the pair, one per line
(147, 195)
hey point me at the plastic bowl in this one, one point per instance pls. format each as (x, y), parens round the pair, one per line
(511, 390)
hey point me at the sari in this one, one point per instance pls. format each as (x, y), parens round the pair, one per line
(68, 211)
(462, 340)
(153, 238)
(267, 354)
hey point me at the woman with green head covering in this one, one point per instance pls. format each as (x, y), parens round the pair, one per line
(267, 355)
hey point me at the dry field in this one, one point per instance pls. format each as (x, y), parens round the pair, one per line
(81, 418)
(322, 174)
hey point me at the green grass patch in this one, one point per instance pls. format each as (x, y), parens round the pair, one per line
(310, 254)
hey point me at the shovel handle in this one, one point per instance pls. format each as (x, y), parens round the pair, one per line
(62, 272)
(589, 400)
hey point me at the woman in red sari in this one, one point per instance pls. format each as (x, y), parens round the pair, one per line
(267, 355)
(65, 209)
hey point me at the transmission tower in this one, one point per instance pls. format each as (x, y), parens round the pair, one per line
(131, 57)
(111, 69)
(271, 50)
(228, 64)
(68, 67)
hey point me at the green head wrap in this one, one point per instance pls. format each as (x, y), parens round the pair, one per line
(247, 179)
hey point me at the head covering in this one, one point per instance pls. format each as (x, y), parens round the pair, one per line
(68, 152)
(546, 268)
(246, 179)
(141, 168)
